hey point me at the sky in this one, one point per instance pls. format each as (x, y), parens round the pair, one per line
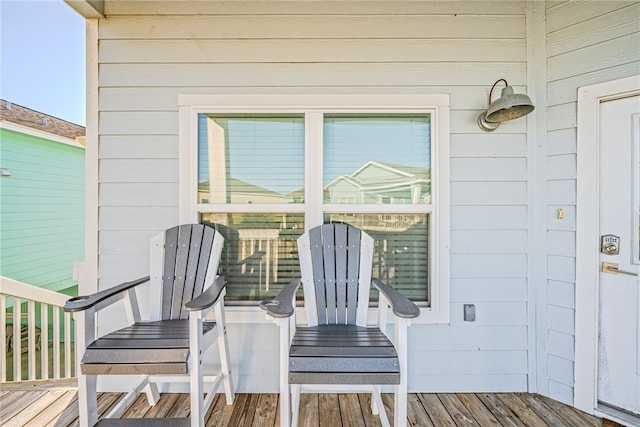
(42, 57)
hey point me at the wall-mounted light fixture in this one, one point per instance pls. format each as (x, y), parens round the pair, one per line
(508, 107)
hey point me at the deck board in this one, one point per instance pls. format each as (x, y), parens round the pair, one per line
(50, 406)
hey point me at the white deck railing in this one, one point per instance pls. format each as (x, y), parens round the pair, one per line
(16, 294)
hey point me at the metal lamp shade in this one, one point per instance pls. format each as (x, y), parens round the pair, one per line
(508, 107)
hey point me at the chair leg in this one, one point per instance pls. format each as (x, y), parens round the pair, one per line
(375, 394)
(223, 346)
(376, 402)
(400, 395)
(295, 404)
(400, 406)
(87, 400)
(195, 362)
(285, 407)
(153, 395)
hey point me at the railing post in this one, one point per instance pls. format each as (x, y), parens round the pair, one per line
(3, 338)
(44, 340)
(17, 339)
(33, 296)
(31, 339)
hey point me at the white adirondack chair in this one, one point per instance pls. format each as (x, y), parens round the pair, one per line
(337, 346)
(170, 345)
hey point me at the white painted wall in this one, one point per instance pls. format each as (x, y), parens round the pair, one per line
(461, 48)
(587, 43)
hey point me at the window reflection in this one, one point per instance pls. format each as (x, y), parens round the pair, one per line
(250, 159)
(260, 253)
(377, 159)
(401, 249)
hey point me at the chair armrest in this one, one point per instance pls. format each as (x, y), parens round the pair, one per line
(87, 301)
(208, 297)
(282, 305)
(400, 305)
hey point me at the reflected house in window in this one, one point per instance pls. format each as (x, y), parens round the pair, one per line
(240, 192)
(382, 183)
(385, 183)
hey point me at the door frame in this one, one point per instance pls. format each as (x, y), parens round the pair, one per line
(587, 236)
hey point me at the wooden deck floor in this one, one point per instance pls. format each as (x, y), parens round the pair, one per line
(54, 403)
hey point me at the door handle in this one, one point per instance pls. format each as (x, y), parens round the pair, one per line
(612, 268)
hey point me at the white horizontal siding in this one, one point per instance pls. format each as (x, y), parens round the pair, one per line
(457, 48)
(488, 193)
(488, 145)
(444, 338)
(325, 50)
(493, 289)
(561, 344)
(561, 294)
(164, 98)
(140, 147)
(620, 50)
(475, 241)
(587, 43)
(488, 217)
(488, 169)
(297, 74)
(513, 7)
(343, 26)
(570, 13)
(610, 25)
(139, 194)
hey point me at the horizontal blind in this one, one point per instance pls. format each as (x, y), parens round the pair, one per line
(401, 249)
(250, 159)
(379, 159)
(260, 252)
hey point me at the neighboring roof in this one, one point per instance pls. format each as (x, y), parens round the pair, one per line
(405, 174)
(240, 186)
(14, 113)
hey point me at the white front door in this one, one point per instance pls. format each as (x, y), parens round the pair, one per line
(618, 364)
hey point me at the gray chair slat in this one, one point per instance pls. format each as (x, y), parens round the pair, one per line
(343, 351)
(135, 369)
(342, 354)
(135, 356)
(353, 271)
(160, 347)
(362, 336)
(343, 364)
(153, 344)
(187, 292)
(310, 341)
(315, 241)
(182, 255)
(144, 422)
(341, 276)
(206, 246)
(160, 334)
(168, 274)
(362, 342)
(329, 258)
(344, 378)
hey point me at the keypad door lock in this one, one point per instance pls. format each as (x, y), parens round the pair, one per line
(610, 244)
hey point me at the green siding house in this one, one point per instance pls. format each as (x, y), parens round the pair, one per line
(41, 198)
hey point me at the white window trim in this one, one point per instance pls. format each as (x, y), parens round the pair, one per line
(313, 106)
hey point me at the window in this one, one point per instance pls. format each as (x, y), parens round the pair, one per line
(265, 168)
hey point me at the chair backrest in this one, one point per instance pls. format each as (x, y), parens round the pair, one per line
(336, 264)
(184, 262)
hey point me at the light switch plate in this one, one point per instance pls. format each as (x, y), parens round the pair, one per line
(469, 312)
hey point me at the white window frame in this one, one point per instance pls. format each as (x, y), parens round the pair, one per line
(314, 107)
